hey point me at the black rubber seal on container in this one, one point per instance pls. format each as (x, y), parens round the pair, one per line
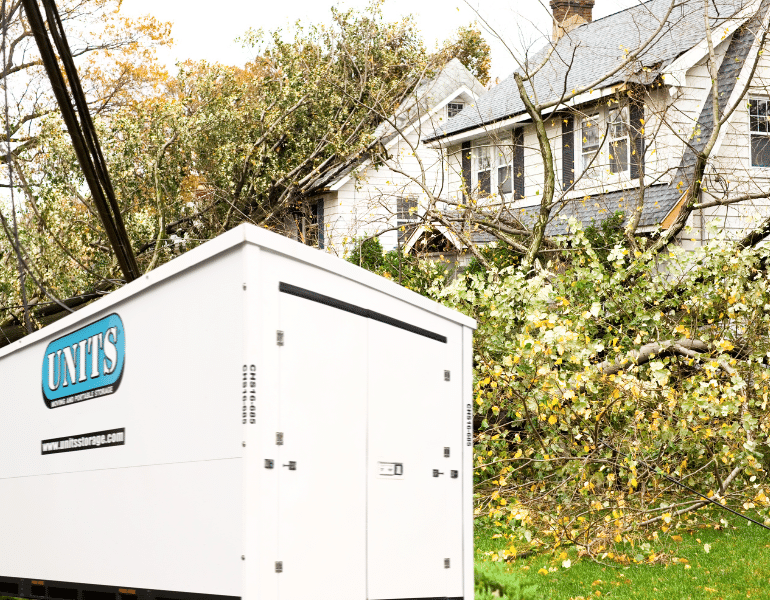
(299, 292)
(432, 598)
(36, 589)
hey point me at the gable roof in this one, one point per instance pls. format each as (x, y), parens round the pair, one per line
(587, 52)
(428, 94)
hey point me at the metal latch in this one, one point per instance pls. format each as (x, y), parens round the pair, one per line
(292, 465)
(447, 376)
(446, 563)
(279, 338)
(279, 566)
(436, 473)
(390, 469)
(446, 452)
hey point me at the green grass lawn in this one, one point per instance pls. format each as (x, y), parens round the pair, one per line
(737, 565)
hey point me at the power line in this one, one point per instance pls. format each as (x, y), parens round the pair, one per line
(81, 128)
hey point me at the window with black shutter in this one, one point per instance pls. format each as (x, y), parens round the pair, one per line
(568, 151)
(518, 164)
(637, 139)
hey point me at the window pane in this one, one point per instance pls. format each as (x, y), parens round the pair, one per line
(485, 182)
(504, 155)
(481, 157)
(619, 156)
(504, 181)
(453, 108)
(591, 134)
(758, 115)
(760, 151)
(619, 123)
(406, 209)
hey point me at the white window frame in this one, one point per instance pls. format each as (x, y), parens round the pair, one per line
(456, 105)
(611, 132)
(588, 152)
(496, 157)
(481, 161)
(756, 125)
(406, 216)
(619, 131)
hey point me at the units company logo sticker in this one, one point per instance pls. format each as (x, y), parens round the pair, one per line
(85, 364)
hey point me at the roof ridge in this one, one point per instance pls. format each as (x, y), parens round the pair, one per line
(617, 12)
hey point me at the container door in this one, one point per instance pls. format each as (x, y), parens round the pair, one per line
(415, 433)
(322, 453)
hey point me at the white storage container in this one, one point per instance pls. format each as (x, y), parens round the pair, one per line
(254, 420)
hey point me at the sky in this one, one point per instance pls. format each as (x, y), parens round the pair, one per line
(210, 34)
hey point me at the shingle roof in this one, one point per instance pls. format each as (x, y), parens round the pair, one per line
(430, 92)
(591, 50)
(592, 210)
(659, 200)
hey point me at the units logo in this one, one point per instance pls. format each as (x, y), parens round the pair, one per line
(85, 364)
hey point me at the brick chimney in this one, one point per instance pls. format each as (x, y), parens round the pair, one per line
(569, 14)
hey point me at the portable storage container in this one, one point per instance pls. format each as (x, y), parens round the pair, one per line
(254, 419)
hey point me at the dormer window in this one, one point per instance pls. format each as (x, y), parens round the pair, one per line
(453, 108)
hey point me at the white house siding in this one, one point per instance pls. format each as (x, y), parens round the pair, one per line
(367, 202)
(732, 161)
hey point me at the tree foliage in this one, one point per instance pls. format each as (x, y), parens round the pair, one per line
(587, 391)
(470, 48)
(195, 154)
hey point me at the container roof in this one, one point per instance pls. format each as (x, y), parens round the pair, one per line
(242, 235)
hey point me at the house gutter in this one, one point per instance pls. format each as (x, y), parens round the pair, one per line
(477, 131)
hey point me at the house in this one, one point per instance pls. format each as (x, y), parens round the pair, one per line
(386, 194)
(629, 141)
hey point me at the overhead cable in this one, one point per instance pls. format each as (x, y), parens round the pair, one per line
(81, 128)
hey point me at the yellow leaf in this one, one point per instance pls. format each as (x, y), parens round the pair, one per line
(552, 419)
(542, 571)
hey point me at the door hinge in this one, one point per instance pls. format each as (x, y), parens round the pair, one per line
(436, 473)
(292, 465)
(279, 338)
(279, 438)
(454, 474)
(269, 463)
(446, 452)
(447, 376)
(446, 563)
(279, 566)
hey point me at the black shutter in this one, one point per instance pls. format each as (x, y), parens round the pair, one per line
(636, 115)
(518, 164)
(568, 151)
(319, 211)
(465, 153)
